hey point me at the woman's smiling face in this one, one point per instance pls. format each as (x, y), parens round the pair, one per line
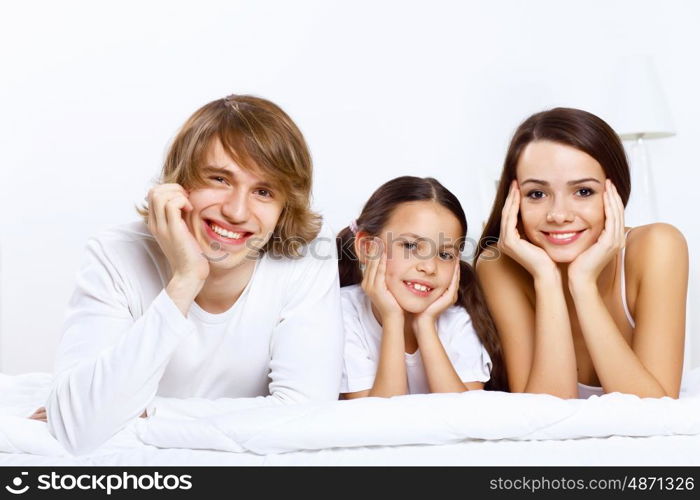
(561, 206)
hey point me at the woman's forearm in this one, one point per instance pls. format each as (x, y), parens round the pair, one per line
(616, 364)
(553, 369)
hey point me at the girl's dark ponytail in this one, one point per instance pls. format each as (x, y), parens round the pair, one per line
(348, 264)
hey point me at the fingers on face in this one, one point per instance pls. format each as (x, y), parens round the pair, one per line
(159, 197)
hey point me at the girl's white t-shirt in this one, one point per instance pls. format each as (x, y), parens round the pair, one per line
(363, 335)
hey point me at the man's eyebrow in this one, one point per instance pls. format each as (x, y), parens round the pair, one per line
(210, 169)
(217, 170)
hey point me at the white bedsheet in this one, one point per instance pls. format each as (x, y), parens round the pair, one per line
(472, 428)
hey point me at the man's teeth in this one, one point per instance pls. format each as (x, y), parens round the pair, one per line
(226, 234)
(419, 287)
(562, 236)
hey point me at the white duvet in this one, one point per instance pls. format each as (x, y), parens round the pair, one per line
(407, 420)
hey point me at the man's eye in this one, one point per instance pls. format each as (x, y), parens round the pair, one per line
(218, 178)
(535, 195)
(585, 192)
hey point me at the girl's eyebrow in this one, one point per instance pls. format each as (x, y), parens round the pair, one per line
(570, 183)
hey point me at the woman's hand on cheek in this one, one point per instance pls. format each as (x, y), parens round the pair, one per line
(374, 282)
(167, 204)
(534, 259)
(586, 268)
(449, 297)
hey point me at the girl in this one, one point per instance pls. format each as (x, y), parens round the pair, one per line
(213, 294)
(582, 304)
(415, 320)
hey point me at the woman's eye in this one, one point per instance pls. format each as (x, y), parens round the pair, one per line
(218, 178)
(264, 193)
(585, 192)
(410, 245)
(535, 195)
(446, 256)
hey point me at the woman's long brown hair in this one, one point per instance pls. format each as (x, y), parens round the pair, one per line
(375, 215)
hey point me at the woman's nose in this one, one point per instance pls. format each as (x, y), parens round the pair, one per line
(559, 213)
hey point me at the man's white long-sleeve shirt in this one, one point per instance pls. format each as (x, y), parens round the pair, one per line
(124, 341)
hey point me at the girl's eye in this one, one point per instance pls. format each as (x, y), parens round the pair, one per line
(585, 192)
(410, 245)
(446, 256)
(535, 195)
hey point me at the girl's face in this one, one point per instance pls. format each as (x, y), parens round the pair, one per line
(561, 205)
(422, 242)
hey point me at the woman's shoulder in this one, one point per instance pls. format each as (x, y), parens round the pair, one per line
(499, 268)
(655, 240)
(657, 249)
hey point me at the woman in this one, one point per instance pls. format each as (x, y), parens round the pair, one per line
(583, 305)
(213, 295)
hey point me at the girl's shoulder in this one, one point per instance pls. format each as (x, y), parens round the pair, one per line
(352, 298)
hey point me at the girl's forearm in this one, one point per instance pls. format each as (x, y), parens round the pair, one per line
(439, 371)
(616, 364)
(553, 369)
(390, 379)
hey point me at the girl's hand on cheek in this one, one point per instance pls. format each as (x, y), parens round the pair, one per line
(374, 282)
(586, 268)
(449, 297)
(167, 204)
(534, 259)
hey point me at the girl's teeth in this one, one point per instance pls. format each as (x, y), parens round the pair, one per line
(418, 287)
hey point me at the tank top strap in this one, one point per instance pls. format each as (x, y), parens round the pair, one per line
(623, 285)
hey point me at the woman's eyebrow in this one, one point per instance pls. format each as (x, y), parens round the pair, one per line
(581, 181)
(535, 181)
(570, 183)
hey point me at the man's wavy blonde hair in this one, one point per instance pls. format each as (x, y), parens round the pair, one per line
(261, 137)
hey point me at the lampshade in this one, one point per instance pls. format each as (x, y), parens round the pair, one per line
(638, 104)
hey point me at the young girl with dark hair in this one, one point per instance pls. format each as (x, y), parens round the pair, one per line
(583, 305)
(415, 320)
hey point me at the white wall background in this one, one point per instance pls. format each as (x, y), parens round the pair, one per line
(91, 93)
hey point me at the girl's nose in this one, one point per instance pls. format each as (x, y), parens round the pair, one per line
(427, 265)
